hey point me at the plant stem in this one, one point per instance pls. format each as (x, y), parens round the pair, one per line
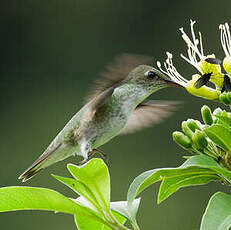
(115, 223)
(119, 226)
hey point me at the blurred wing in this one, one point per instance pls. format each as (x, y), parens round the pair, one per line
(149, 113)
(116, 72)
(97, 102)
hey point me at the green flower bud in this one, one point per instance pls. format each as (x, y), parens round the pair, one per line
(228, 95)
(217, 112)
(188, 132)
(224, 98)
(199, 140)
(181, 140)
(229, 115)
(224, 114)
(193, 124)
(206, 115)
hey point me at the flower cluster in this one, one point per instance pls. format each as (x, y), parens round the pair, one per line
(209, 68)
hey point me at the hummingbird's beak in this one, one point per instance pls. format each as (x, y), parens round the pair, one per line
(172, 83)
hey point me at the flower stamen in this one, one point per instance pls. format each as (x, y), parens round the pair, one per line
(225, 38)
(193, 51)
(171, 71)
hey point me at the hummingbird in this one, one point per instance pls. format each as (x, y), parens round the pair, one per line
(116, 106)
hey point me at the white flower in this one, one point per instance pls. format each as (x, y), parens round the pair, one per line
(198, 59)
(174, 75)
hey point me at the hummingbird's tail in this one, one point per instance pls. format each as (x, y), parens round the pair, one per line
(49, 157)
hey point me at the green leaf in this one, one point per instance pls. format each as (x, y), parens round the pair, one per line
(94, 174)
(197, 165)
(220, 135)
(217, 215)
(170, 185)
(82, 223)
(80, 188)
(30, 198)
(150, 177)
(206, 162)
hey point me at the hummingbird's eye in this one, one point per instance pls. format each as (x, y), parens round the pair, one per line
(150, 74)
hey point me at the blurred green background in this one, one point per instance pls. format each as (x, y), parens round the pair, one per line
(52, 51)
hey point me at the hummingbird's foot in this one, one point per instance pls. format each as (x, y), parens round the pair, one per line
(91, 155)
(102, 154)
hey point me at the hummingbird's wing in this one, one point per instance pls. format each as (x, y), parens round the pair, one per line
(116, 72)
(149, 113)
(97, 102)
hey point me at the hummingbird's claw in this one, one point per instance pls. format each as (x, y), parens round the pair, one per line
(102, 154)
(91, 155)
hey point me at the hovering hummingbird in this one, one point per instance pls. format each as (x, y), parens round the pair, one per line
(115, 107)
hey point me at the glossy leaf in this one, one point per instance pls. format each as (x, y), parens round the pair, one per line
(206, 162)
(217, 215)
(220, 135)
(95, 176)
(194, 166)
(83, 223)
(30, 198)
(80, 188)
(170, 185)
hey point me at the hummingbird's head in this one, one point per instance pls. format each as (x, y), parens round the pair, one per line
(149, 78)
(129, 68)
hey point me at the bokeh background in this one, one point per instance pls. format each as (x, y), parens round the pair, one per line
(50, 54)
